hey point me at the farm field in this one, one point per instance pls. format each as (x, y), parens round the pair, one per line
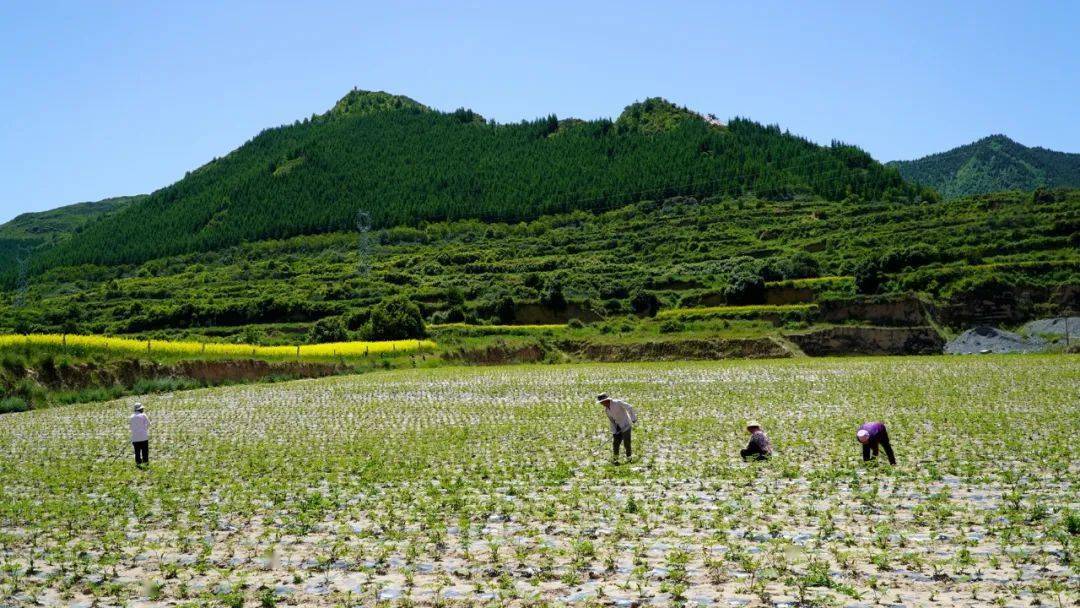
(493, 486)
(180, 348)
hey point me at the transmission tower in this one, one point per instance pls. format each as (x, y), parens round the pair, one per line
(363, 243)
(23, 283)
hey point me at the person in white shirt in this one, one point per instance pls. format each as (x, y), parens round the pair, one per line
(622, 417)
(140, 435)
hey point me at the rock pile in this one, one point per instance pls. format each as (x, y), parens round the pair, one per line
(1054, 328)
(992, 340)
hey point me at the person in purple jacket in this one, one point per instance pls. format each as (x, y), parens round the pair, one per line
(874, 435)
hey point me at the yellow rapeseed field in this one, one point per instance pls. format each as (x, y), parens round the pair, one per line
(127, 345)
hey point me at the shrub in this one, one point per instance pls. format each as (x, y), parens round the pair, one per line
(671, 326)
(745, 288)
(252, 335)
(868, 276)
(396, 318)
(553, 297)
(613, 306)
(797, 266)
(1072, 523)
(506, 309)
(328, 329)
(13, 404)
(357, 319)
(645, 303)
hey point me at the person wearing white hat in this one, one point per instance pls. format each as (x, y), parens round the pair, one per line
(622, 417)
(874, 435)
(759, 447)
(140, 435)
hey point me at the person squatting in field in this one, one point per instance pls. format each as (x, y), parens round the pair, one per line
(140, 435)
(874, 435)
(622, 417)
(759, 447)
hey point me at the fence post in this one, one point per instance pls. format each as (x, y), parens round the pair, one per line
(148, 346)
(297, 351)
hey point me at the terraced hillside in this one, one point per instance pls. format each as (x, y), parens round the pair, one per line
(1001, 258)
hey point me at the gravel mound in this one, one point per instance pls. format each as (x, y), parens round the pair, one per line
(1054, 327)
(992, 340)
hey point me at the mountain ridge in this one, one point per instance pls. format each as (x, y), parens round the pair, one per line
(993, 163)
(26, 232)
(403, 163)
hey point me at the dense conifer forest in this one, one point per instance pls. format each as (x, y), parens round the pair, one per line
(31, 232)
(401, 163)
(993, 164)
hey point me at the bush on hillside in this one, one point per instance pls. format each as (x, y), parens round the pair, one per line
(553, 297)
(868, 276)
(499, 309)
(644, 303)
(671, 326)
(745, 288)
(328, 329)
(396, 318)
(13, 404)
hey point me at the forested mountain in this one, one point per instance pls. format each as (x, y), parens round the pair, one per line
(679, 252)
(402, 163)
(29, 231)
(992, 164)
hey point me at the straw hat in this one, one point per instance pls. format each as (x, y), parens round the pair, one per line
(752, 424)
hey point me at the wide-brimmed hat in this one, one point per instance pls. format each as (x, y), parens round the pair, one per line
(602, 397)
(862, 435)
(750, 424)
(138, 407)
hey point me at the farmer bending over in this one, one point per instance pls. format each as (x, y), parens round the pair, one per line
(622, 418)
(140, 435)
(873, 435)
(759, 447)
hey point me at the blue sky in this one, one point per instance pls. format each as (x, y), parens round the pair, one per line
(102, 99)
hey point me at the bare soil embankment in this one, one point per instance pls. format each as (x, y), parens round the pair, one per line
(679, 350)
(834, 341)
(128, 372)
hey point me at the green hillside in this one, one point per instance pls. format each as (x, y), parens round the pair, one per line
(403, 163)
(679, 252)
(992, 164)
(30, 231)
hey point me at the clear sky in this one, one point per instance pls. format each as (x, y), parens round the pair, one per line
(102, 99)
